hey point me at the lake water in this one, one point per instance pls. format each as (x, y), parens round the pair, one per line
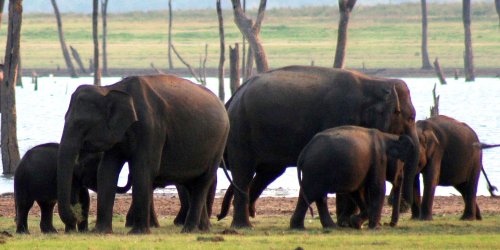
(41, 119)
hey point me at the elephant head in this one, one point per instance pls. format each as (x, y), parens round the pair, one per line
(402, 122)
(402, 148)
(97, 119)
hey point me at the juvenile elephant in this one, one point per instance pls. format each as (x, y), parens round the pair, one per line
(274, 114)
(450, 155)
(168, 129)
(350, 160)
(35, 180)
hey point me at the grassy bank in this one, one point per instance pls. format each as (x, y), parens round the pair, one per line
(272, 233)
(379, 37)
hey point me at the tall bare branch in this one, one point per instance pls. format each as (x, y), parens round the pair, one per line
(345, 9)
(64, 48)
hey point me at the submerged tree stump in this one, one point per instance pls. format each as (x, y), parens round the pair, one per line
(439, 72)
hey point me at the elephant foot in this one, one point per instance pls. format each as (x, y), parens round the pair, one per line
(128, 223)
(144, 230)
(22, 231)
(297, 224)
(49, 230)
(251, 210)
(178, 222)
(467, 217)
(241, 224)
(102, 230)
(374, 226)
(356, 222)
(393, 224)
(425, 217)
(343, 221)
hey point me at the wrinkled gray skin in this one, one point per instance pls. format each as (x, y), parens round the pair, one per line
(351, 160)
(35, 180)
(168, 129)
(274, 114)
(449, 156)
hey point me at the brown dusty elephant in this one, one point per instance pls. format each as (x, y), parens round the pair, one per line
(274, 114)
(168, 129)
(450, 155)
(351, 160)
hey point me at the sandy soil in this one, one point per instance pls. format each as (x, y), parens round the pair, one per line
(168, 205)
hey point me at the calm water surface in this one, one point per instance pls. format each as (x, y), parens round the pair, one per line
(41, 119)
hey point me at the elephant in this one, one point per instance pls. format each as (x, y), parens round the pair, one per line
(450, 155)
(274, 114)
(169, 130)
(35, 180)
(350, 160)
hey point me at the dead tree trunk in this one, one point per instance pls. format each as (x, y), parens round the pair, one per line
(251, 31)
(95, 36)
(468, 56)
(104, 16)
(249, 63)
(222, 57)
(77, 58)
(345, 9)
(439, 72)
(170, 63)
(497, 6)
(2, 3)
(67, 58)
(435, 109)
(243, 45)
(426, 64)
(234, 68)
(10, 148)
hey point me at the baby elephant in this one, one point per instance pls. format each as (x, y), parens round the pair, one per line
(35, 180)
(450, 155)
(350, 160)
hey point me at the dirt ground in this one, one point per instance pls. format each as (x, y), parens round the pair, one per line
(168, 205)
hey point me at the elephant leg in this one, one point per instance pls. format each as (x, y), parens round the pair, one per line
(324, 214)
(430, 182)
(396, 202)
(107, 179)
(345, 207)
(417, 199)
(184, 200)
(47, 211)
(198, 190)
(84, 197)
(259, 183)
(242, 178)
(469, 197)
(153, 218)
(22, 210)
(299, 215)
(357, 220)
(211, 197)
(375, 194)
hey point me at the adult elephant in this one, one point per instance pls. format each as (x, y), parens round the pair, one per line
(450, 155)
(274, 114)
(168, 129)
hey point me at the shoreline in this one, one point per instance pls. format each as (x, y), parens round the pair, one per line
(212, 72)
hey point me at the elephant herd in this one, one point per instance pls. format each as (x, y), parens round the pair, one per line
(346, 132)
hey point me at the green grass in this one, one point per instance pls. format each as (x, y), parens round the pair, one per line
(379, 36)
(445, 232)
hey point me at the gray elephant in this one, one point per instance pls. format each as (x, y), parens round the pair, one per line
(35, 180)
(450, 155)
(168, 129)
(350, 160)
(275, 114)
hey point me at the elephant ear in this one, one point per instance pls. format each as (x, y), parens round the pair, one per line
(120, 112)
(431, 142)
(402, 148)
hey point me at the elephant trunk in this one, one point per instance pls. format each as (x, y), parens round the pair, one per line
(66, 161)
(410, 168)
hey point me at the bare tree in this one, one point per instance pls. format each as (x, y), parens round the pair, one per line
(170, 63)
(426, 64)
(497, 6)
(468, 56)
(95, 36)
(104, 16)
(64, 48)
(234, 68)
(222, 58)
(345, 9)
(244, 45)
(10, 148)
(251, 31)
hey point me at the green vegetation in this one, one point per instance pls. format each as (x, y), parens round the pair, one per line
(382, 36)
(272, 233)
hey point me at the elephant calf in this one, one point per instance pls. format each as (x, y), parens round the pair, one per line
(351, 160)
(450, 155)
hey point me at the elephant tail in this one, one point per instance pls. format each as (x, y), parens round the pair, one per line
(126, 188)
(229, 193)
(226, 203)
(301, 189)
(481, 145)
(491, 188)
